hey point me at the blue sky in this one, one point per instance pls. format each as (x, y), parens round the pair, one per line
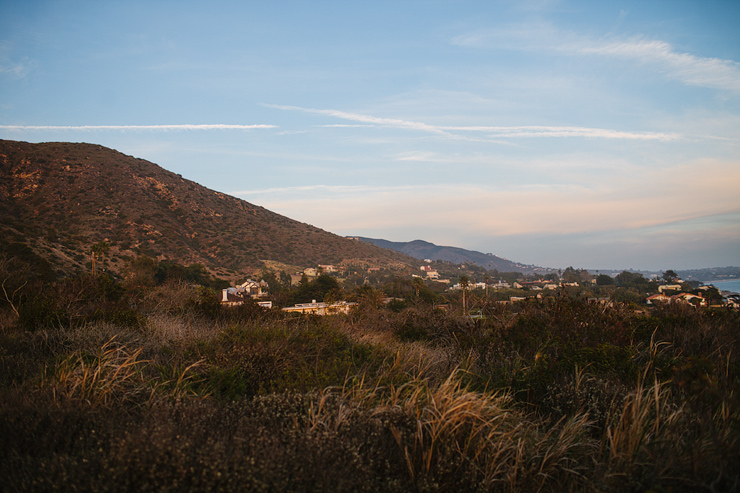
(591, 134)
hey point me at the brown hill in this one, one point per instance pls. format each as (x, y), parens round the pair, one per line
(59, 199)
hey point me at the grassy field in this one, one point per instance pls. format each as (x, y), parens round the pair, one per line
(104, 388)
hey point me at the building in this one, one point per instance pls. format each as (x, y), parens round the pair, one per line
(658, 298)
(692, 299)
(321, 308)
(669, 287)
(248, 290)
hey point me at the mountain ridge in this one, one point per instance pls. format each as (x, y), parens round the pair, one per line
(421, 249)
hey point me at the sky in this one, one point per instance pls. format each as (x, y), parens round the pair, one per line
(599, 135)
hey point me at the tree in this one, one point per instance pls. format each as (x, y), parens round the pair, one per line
(570, 275)
(627, 279)
(604, 280)
(369, 297)
(713, 296)
(670, 276)
(418, 283)
(323, 288)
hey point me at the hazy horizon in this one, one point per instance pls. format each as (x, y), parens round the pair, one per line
(554, 133)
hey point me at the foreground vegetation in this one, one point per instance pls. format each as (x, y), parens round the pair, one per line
(113, 387)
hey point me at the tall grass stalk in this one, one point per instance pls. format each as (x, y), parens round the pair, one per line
(647, 417)
(113, 373)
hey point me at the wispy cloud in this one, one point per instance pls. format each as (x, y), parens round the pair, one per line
(554, 131)
(136, 127)
(15, 68)
(691, 69)
(699, 71)
(358, 117)
(344, 125)
(495, 132)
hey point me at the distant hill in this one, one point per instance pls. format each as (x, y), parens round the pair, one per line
(424, 250)
(59, 199)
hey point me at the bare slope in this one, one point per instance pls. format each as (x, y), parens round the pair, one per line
(61, 198)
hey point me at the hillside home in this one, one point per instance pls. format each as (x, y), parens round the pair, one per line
(689, 298)
(248, 290)
(327, 268)
(669, 287)
(733, 301)
(658, 298)
(321, 308)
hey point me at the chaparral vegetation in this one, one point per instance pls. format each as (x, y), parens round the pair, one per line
(149, 383)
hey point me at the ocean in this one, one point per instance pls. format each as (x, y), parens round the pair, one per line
(728, 285)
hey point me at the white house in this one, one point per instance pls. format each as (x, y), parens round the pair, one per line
(321, 308)
(669, 287)
(247, 290)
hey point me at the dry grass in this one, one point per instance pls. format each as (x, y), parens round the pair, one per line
(310, 403)
(444, 430)
(115, 374)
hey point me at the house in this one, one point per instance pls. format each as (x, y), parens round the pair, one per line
(669, 287)
(310, 272)
(689, 298)
(733, 301)
(247, 290)
(321, 308)
(432, 274)
(327, 268)
(658, 298)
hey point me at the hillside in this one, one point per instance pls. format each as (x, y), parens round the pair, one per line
(59, 199)
(420, 249)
